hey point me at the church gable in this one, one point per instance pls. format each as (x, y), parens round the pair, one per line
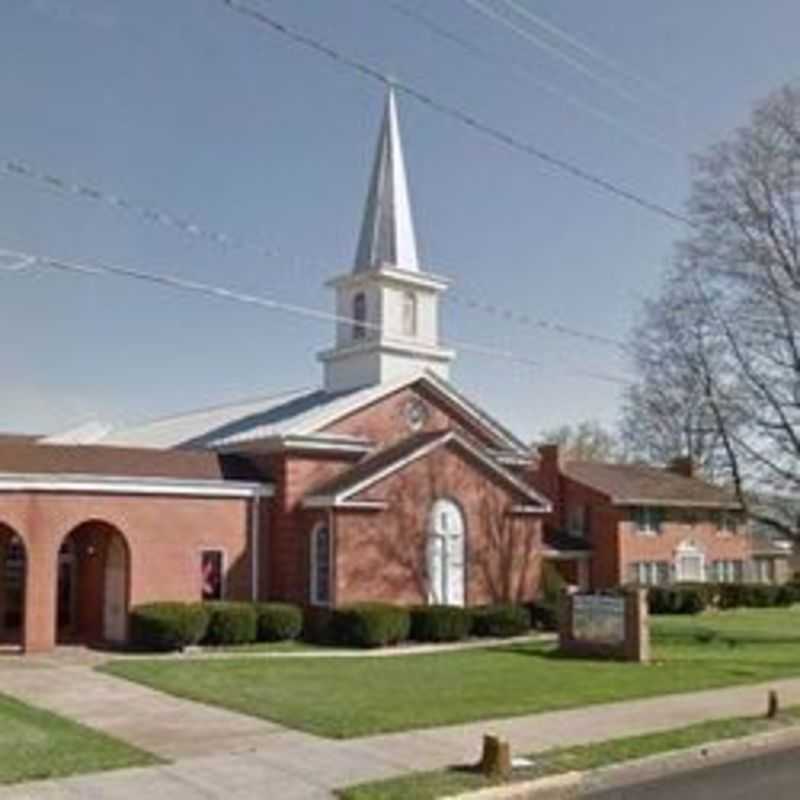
(423, 405)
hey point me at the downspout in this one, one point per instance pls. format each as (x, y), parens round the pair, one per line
(255, 513)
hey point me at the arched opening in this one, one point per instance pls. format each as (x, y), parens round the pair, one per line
(359, 316)
(13, 567)
(446, 553)
(409, 314)
(93, 585)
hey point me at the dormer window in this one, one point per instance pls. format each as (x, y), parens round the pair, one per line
(648, 520)
(359, 316)
(409, 314)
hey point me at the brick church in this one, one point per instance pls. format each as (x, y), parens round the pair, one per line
(386, 483)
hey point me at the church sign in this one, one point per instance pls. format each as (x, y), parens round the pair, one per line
(606, 626)
(596, 618)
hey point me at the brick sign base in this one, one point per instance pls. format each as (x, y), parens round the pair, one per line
(605, 626)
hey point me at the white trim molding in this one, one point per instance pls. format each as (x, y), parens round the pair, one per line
(539, 504)
(106, 484)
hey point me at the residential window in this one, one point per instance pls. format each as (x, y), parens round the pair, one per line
(576, 520)
(764, 569)
(359, 316)
(212, 566)
(727, 523)
(409, 314)
(648, 520)
(650, 573)
(689, 564)
(728, 571)
(321, 565)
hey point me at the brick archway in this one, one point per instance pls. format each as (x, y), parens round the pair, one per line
(13, 576)
(93, 585)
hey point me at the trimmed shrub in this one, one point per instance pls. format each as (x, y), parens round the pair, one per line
(317, 627)
(231, 623)
(440, 623)
(786, 595)
(500, 620)
(168, 626)
(277, 622)
(687, 599)
(544, 616)
(369, 625)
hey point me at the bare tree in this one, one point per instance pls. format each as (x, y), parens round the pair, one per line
(586, 441)
(727, 321)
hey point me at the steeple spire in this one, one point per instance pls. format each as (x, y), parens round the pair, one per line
(387, 231)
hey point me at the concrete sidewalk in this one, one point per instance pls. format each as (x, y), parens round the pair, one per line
(221, 754)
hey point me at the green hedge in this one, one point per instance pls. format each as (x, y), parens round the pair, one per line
(278, 622)
(168, 626)
(369, 625)
(231, 623)
(440, 623)
(694, 598)
(500, 620)
(544, 615)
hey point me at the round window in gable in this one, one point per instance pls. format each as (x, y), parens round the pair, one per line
(416, 414)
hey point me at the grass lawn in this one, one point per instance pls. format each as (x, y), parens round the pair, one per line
(360, 696)
(35, 745)
(447, 782)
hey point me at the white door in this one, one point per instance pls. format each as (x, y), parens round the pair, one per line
(115, 590)
(446, 554)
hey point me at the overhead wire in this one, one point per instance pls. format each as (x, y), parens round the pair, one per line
(527, 74)
(464, 117)
(33, 261)
(189, 227)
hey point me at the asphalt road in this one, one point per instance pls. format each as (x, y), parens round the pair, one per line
(770, 776)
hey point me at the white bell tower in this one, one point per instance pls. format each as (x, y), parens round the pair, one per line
(391, 306)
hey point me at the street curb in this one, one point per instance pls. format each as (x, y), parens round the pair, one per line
(575, 783)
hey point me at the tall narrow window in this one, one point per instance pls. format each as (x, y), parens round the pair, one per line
(212, 566)
(409, 314)
(359, 316)
(321, 565)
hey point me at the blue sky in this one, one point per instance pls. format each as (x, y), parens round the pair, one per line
(187, 107)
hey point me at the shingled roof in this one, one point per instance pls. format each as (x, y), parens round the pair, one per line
(26, 458)
(639, 485)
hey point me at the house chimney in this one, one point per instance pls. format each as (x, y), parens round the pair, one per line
(682, 465)
(548, 471)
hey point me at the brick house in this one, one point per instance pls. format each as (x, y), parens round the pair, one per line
(384, 483)
(631, 523)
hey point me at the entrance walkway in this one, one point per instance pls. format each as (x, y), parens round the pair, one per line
(221, 754)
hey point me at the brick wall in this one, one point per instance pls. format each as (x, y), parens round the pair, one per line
(382, 555)
(164, 536)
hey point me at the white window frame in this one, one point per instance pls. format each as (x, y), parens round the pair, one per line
(689, 551)
(223, 584)
(647, 572)
(314, 570)
(410, 314)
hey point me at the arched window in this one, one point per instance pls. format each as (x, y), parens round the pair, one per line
(446, 553)
(359, 316)
(321, 565)
(690, 562)
(409, 314)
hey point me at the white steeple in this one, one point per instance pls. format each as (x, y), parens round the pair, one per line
(387, 231)
(388, 307)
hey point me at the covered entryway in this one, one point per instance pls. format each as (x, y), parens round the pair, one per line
(446, 553)
(13, 559)
(93, 585)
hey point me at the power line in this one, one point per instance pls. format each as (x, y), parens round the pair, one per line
(489, 13)
(463, 117)
(577, 44)
(16, 258)
(183, 225)
(525, 73)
